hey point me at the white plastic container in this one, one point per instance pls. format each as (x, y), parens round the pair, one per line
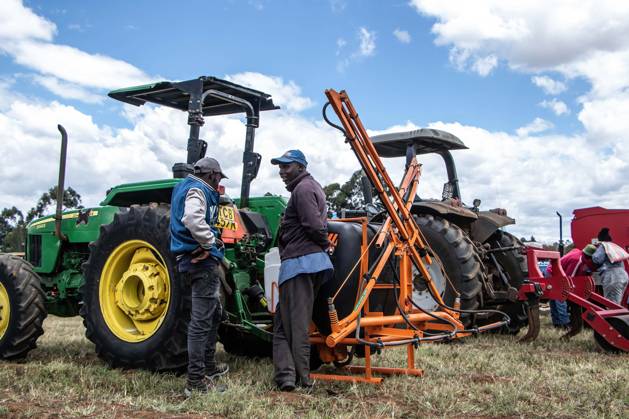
(272, 264)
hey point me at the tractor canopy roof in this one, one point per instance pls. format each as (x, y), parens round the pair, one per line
(177, 95)
(425, 140)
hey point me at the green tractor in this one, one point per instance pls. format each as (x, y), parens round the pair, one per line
(112, 265)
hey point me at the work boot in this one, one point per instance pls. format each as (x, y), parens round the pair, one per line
(286, 386)
(305, 385)
(217, 371)
(204, 387)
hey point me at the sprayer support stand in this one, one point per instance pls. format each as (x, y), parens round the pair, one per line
(364, 373)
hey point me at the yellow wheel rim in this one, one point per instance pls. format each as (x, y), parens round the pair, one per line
(5, 310)
(134, 291)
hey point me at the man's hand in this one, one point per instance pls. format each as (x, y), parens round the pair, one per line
(199, 255)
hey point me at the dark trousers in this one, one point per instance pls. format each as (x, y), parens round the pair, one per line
(205, 318)
(291, 348)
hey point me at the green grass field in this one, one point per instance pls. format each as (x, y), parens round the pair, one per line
(487, 376)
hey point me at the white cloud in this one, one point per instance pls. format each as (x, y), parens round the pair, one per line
(338, 6)
(257, 4)
(530, 176)
(484, 65)
(534, 176)
(576, 39)
(340, 44)
(19, 23)
(367, 42)
(501, 169)
(548, 85)
(287, 95)
(531, 34)
(607, 123)
(402, 36)
(366, 48)
(75, 66)
(28, 39)
(102, 156)
(535, 126)
(557, 106)
(68, 90)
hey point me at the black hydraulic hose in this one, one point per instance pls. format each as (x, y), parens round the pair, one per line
(444, 335)
(482, 328)
(497, 325)
(330, 123)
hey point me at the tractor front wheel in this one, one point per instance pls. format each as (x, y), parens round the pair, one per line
(135, 305)
(22, 310)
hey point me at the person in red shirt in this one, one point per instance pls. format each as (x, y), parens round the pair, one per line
(576, 262)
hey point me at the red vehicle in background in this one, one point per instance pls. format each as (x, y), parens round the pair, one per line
(587, 222)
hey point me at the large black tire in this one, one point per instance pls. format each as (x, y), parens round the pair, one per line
(237, 342)
(165, 348)
(22, 304)
(513, 264)
(460, 261)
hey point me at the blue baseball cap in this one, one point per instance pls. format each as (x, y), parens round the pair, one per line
(291, 156)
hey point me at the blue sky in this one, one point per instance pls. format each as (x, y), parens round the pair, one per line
(298, 40)
(538, 91)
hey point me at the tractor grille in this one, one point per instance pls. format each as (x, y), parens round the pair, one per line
(34, 249)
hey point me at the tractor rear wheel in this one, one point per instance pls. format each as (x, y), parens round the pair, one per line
(22, 310)
(136, 307)
(241, 343)
(460, 262)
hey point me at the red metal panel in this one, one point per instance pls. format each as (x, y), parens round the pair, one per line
(587, 222)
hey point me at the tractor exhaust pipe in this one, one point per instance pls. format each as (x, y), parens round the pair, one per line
(60, 184)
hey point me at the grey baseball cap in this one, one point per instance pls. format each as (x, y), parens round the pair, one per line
(208, 165)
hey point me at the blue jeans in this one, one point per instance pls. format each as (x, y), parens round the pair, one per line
(559, 313)
(205, 318)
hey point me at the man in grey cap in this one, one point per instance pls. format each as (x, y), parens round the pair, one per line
(303, 241)
(195, 243)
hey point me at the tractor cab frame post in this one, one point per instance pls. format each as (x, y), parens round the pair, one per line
(197, 147)
(453, 179)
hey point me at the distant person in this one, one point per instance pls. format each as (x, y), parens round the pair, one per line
(609, 258)
(576, 262)
(195, 243)
(303, 241)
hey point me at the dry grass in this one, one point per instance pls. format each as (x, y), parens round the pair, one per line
(488, 376)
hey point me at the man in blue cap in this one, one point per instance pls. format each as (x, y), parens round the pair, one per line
(303, 241)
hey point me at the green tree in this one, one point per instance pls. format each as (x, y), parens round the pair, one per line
(13, 223)
(12, 227)
(71, 200)
(347, 196)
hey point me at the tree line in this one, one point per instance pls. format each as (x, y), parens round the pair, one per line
(13, 222)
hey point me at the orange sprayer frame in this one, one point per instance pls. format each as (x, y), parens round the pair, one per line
(400, 237)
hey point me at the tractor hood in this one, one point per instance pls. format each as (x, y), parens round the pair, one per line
(425, 140)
